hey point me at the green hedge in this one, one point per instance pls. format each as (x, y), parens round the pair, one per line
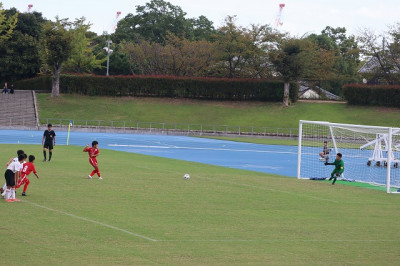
(380, 95)
(166, 86)
(41, 83)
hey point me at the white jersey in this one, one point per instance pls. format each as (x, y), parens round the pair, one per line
(15, 166)
(15, 160)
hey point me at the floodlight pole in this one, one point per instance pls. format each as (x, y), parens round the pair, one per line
(109, 42)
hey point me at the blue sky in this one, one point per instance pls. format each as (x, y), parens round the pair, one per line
(299, 16)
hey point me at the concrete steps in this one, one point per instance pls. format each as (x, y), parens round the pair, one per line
(17, 109)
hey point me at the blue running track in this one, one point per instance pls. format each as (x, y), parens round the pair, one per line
(272, 159)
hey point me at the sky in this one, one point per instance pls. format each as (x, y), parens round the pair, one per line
(299, 17)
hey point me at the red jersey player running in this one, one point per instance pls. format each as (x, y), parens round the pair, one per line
(27, 168)
(93, 153)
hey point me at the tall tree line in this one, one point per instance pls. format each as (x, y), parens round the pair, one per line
(160, 39)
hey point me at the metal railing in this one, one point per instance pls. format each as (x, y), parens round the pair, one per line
(17, 123)
(179, 128)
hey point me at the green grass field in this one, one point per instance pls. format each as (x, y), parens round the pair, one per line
(145, 213)
(244, 114)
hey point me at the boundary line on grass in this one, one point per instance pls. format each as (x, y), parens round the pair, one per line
(213, 240)
(91, 221)
(287, 240)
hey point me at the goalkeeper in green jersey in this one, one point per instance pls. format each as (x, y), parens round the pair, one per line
(339, 168)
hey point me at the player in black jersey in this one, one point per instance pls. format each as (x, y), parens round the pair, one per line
(48, 141)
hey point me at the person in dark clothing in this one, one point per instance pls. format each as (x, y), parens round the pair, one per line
(48, 141)
(5, 89)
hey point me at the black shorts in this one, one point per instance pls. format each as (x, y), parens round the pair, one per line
(48, 146)
(10, 178)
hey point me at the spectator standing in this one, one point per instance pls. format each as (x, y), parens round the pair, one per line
(12, 89)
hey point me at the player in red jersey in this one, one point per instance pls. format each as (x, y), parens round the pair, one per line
(93, 153)
(27, 168)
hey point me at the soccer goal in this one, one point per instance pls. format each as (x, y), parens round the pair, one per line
(371, 154)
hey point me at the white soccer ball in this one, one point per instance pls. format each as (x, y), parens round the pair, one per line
(186, 176)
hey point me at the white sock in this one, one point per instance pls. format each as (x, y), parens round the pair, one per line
(5, 187)
(13, 193)
(8, 193)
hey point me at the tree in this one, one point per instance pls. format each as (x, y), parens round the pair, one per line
(145, 58)
(178, 57)
(320, 63)
(289, 61)
(340, 55)
(264, 39)
(7, 24)
(153, 21)
(347, 50)
(57, 48)
(82, 57)
(243, 52)
(199, 29)
(394, 46)
(376, 49)
(189, 58)
(156, 19)
(19, 56)
(29, 23)
(235, 48)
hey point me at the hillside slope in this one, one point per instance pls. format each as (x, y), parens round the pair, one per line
(257, 114)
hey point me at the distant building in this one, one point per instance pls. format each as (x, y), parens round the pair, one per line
(316, 93)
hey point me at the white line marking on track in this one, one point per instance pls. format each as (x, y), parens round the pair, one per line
(91, 221)
(197, 148)
(221, 149)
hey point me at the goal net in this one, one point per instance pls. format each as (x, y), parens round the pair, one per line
(370, 154)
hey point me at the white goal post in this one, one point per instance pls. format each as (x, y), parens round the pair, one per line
(371, 154)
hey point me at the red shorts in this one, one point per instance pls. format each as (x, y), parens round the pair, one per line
(93, 162)
(22, 180)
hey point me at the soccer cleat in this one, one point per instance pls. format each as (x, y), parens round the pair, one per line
(16, 200)
(44, 160)
(100, 178)
(9, 200)
(23, 194)
(89, 177)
